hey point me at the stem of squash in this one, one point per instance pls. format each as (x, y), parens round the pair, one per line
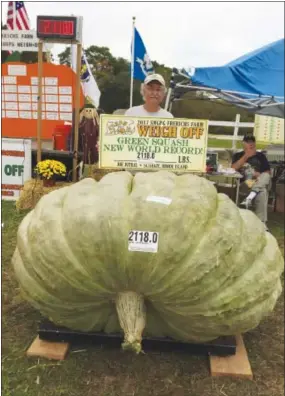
(132, 317)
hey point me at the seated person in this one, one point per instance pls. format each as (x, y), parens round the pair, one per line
(255, 168)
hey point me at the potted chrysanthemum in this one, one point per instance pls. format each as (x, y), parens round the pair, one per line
(48, 170)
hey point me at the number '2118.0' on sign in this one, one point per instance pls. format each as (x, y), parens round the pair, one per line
(143, 241)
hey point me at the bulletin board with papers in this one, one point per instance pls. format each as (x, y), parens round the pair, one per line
(20, 98)
(269, 129)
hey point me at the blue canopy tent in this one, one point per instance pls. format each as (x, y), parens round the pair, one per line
(254, 81)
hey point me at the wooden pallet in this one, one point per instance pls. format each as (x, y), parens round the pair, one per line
(232, 366)
(48, 350)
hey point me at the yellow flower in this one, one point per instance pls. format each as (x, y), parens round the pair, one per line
(48, 168)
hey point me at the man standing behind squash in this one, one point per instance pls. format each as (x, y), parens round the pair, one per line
(254, 165)
(153, 91)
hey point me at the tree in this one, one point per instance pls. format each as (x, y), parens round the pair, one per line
(65, 56)
(113, 78)
(163, 70)
(4, 54)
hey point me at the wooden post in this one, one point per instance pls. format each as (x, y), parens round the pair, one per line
(76, 116)
(234, 142)
(39, 121)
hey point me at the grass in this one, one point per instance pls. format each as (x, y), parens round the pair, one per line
(103, 372)
(227, 144)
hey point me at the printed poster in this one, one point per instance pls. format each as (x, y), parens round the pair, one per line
(153, 143)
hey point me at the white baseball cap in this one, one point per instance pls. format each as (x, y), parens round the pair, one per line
(154, 77)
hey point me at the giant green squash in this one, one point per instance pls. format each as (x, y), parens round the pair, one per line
(215, 272)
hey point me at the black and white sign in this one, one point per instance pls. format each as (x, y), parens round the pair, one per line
(143, 241)
(21, 40)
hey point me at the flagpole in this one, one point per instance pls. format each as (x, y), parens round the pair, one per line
(171, 86)
(73, 55)
(132, 63)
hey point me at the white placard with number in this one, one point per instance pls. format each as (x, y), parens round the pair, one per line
(17, 70)
(24, 89)
(51, 80)
(65, 99)
(10, 88)
(34, 80)
(35, 115)
(65, 90)
(52, 116)
(25, 114)
(143, 241)
(51, 107)
(50, 90)
(12, 114)
(11, 97)
(51, 98)
(9, 80)
(24, 106)
(65, 116)
(65, 108)
(11, 105)
(24, 98)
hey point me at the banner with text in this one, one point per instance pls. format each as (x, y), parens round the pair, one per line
(269, 129)
(153, 143)
(16, 166)
(22, 41)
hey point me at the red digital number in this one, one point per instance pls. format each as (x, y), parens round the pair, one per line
(45, 26)
(56, 27)
(67, 28)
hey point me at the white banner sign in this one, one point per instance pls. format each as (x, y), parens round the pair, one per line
(139, 143)
(269, 129)
(21, 40)
(16, 166)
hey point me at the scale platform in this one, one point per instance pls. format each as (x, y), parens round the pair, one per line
(222, 346)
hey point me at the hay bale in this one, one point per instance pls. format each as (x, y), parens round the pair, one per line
(94, 172)
(32, 192)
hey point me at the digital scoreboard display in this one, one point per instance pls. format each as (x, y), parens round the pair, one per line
(56, 27)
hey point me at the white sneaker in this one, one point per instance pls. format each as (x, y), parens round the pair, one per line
(246, 203)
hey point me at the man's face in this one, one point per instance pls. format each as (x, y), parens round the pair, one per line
(154, 93)
(249, 146)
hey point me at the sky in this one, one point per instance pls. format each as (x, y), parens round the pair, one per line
(176, 34)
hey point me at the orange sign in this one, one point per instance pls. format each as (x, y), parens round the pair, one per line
(20, 97)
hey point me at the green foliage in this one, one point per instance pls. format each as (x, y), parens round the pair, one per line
(192, 106)
(64, 57)
(113, 78)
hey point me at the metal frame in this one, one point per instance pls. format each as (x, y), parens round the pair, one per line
(249, 101)
(77, 97)
(222, 346)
